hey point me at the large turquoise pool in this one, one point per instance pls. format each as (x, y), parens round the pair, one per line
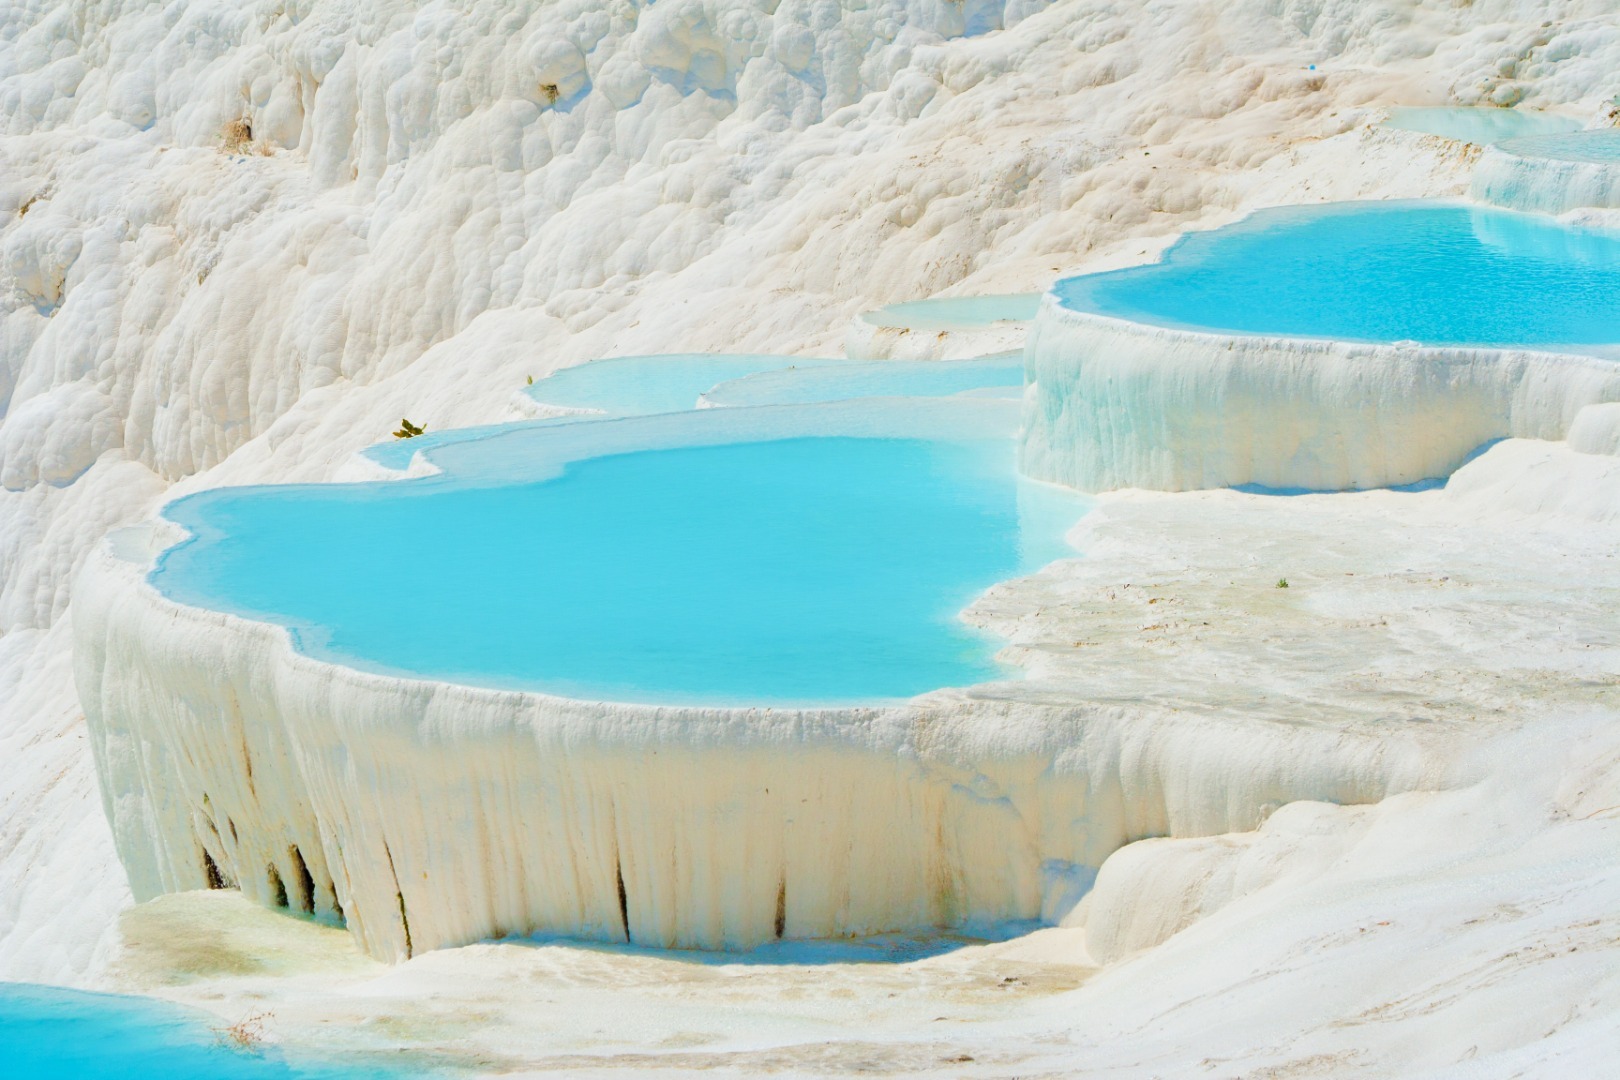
(1436, 274)
(1481, 125)
(795, 560)
(52, 1034)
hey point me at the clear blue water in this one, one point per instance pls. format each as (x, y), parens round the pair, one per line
(957, 312)
(878, 378)
(52, 1034)
(1435, 273)
(1482, 125)
(619, 387)
(810, 570)
(1599, 147)
(643, 385)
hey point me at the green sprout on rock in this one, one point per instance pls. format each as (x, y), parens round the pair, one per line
(408, 430)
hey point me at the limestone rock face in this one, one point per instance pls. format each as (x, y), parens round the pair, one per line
(428, 814)
(1115, 404)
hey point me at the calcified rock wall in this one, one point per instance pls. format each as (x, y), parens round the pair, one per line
(410, 224)
(1114, 404)
(433, 815)
(1548, 185)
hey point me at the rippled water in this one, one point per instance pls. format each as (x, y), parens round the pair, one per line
(1439, 274)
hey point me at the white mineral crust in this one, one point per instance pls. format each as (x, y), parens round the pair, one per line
(239, 242)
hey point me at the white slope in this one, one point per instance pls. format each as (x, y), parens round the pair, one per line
(1466, 930)
(412, 225)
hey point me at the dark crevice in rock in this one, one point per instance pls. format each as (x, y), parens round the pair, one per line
(303, 880)
(399, 895)
(278, 890)
(624, 898)
(216, 880)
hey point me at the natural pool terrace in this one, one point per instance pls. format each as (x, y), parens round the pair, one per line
(1416, 272)
(697, 677)
(1481, 125)
(1323, 348)
(804, 556)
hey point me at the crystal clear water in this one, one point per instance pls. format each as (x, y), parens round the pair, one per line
(1482, 126)
(643, 385)
(957, 312)
(805, 570)
(878, 378)
(52, 1034)
(1598, 147)
(1439, 274)
(627, 386)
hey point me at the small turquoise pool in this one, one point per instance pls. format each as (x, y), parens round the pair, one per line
(643, 385)
(652, 560)
(1596, 147)
(52, 1034)
(957, 312)
(1481, 125)
(875, 378)
(1436, 274)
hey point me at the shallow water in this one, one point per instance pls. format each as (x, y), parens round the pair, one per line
(1481, 125)
(642, 385)
(877, 378)
(48, 1033)
(810, 570)
(1598, 147)
(1432, 273)
(957, 312)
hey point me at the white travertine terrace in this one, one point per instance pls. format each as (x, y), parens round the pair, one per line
(1117, 404)
(428, 814)
(417, 226)
(1515, 176)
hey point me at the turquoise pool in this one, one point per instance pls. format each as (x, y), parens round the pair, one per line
(52, 1034)
(1431, 273)
(874, 378)
(1481, 125)
(809, 555)
(957, 312)
(1595, 147)
(643, 385)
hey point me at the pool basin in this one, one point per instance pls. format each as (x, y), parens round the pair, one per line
(788, 556)
(1327, 348)
(1480, 125)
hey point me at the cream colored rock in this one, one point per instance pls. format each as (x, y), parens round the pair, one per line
(413, 230)
(1115, 404)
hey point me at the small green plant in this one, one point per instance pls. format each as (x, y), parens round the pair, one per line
(1282, 583)
(531, 380)
(408, 430)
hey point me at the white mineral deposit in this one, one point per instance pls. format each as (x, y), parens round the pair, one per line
(1303, 761)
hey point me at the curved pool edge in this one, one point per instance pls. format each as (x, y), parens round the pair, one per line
(1111, 403)
(1547, 185)
(432, 814)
